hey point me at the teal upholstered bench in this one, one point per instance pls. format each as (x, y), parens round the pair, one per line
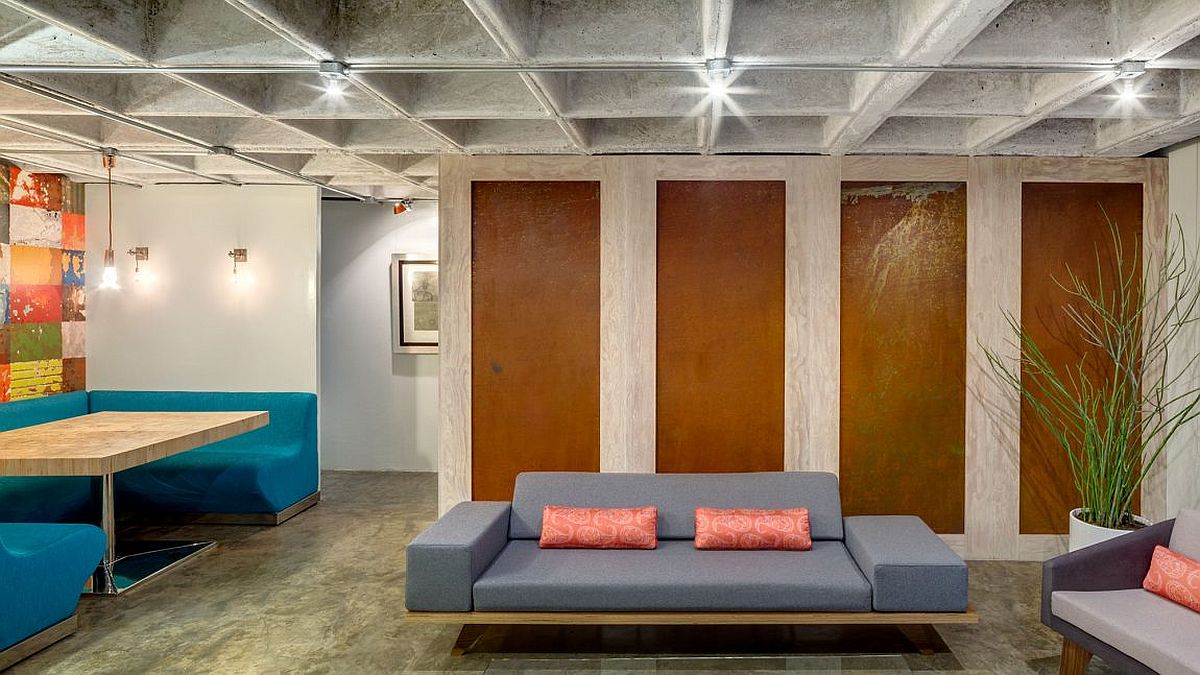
(50, 499)
(262, 477)
(43, 568)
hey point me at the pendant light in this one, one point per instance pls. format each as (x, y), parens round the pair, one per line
(109, 278)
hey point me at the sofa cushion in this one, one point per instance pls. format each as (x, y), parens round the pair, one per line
(233, 476)
(677, 496)
(753, 529)
(909, 567)
(1185, 535)
(28, 412)
(582, 527)
(1157, 632)
(1175, 577)
(674, 577)
(263, 471)
(46, 499)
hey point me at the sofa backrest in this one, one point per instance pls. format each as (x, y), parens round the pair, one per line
(677, 496)
(293, 414)
(28, 412)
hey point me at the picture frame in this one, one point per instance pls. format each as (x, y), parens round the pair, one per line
(414, 280)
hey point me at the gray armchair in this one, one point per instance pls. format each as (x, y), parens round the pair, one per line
(1094, 598)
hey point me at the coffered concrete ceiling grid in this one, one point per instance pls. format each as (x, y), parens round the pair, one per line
(1032, 77)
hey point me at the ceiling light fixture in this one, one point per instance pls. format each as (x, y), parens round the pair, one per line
(717, 71)
(402, 206)
(335, 74)
(1127, 70)
(109, 277)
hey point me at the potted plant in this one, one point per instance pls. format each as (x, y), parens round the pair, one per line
(1115, 409)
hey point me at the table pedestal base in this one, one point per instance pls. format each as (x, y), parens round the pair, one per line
(139, 561)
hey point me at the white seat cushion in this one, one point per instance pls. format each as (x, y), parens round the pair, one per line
(1161, 634)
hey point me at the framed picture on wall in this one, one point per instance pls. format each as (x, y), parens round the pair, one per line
(414, 304)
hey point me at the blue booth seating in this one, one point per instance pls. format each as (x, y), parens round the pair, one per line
(43, 567)
(51, 499)
(261, 472)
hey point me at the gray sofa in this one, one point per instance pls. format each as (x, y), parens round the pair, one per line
(483, 557)
(1094, 598)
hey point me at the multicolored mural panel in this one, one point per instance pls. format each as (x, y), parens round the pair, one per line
(42, 293)
(904, 318)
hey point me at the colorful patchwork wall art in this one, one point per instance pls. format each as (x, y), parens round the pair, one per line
(42, 292)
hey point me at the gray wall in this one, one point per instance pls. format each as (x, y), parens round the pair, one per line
(378, 410)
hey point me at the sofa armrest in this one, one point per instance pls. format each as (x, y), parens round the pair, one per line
(1111, 565)
(910, 568)
(444, 561)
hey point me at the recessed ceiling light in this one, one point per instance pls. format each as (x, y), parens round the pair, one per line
(1127, 70)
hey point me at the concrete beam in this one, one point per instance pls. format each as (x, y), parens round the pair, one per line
(1147, 30)
(929, 34)
(1051, 93)
(311, 31)
(70, 165)
(508, 24)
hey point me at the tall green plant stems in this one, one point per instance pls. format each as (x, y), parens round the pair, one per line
(1115, 410)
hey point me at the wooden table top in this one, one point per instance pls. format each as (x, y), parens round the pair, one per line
(107, 442)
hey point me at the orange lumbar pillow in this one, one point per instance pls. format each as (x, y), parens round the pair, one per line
(585, 527)
(1175, 577)
(753, 529)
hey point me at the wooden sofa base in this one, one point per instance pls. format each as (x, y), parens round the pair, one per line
(239, 518)
(917, 626)
(38, 641)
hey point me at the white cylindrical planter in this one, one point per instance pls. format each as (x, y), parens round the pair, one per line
(1084, 534)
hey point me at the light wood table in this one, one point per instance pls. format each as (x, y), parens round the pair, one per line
(103, 443)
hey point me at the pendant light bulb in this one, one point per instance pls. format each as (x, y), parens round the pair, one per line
(109, 278)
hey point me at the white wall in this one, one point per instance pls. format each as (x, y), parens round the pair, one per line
(186, 325)
(378, 410)
(1183, 455)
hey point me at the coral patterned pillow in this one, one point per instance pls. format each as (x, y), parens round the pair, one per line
(1174, 576)
(583, 527)
(753, 529)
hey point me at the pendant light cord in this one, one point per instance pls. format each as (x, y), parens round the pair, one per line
(108, 164)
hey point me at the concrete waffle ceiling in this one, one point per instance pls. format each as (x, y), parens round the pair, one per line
(228, 90)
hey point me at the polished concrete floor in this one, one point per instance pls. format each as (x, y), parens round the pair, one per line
(324, 593)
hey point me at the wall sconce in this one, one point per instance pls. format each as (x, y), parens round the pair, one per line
(239, 256)
(140, 255)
